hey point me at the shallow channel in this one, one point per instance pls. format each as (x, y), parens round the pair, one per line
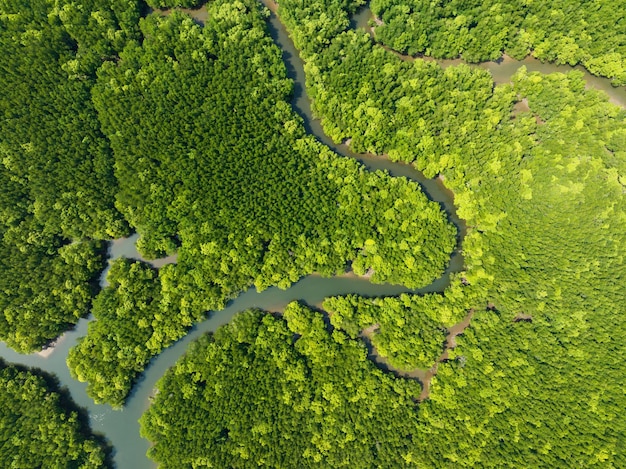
(502, 69)
(121, 428)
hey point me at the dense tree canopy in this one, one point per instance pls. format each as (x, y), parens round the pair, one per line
(537, 167)
(39, 425)
(212, 161)
(281, 392)
(45, 290)
(127, 332)
(51, 140)
(186, 134)
(188, 179)
(561, 31)
(56, 167)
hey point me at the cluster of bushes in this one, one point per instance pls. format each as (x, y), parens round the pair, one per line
(40, 426)
(128, 330)
(562, 31)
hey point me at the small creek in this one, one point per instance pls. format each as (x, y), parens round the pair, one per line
(424, 376)
(121, 428)
(502, 69)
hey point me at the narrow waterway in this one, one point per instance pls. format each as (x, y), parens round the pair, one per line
(121, 428)
(502, 69)
(424, 376)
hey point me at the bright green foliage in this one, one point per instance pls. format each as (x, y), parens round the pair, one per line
(521, 394)
(127, 332)
(561, 31)
(408, 231)
(409, 330)
(313, 25)
(173, 3)
(274, 392)
(389, 106)
(39, 426)
(538, 168)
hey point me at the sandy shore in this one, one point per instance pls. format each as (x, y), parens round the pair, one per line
(50, 348)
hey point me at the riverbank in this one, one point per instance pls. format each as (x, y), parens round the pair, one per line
(423, 376)
(51, 347)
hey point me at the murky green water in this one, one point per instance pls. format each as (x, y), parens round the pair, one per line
(121, 427)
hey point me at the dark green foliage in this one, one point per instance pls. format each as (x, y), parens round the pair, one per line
(50, 135)
(46, 283)
(44, 291)
(127, 332)
(56, 167)
(274, 392)
(561, 31)
(212, 161)
(39, 426)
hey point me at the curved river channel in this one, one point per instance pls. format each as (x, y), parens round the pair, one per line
(121, 427)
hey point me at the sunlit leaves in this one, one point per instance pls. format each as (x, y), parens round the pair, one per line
(39, 425)
(253, 392)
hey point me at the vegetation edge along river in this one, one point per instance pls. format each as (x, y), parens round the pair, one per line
(251, 299)
(119, 426)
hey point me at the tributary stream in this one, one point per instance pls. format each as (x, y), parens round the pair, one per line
(121, 427)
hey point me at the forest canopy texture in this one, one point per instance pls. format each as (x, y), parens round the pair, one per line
(561, 31)
(39, 426)
(278, 391)
(538, 169)
(212, 163)
(185, 134)
(56, 166)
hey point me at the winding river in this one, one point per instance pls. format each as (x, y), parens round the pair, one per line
(121, 427)
(502, 69)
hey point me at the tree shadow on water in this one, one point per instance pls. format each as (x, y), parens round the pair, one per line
(68, 406)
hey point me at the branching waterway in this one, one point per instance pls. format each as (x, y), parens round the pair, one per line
(121, 428)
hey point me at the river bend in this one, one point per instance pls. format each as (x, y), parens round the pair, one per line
(121, 428)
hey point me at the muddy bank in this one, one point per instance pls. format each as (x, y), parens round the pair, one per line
(423, 376)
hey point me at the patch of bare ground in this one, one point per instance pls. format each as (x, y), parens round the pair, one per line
(522, 106)
(519, 317)
(50, 348)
